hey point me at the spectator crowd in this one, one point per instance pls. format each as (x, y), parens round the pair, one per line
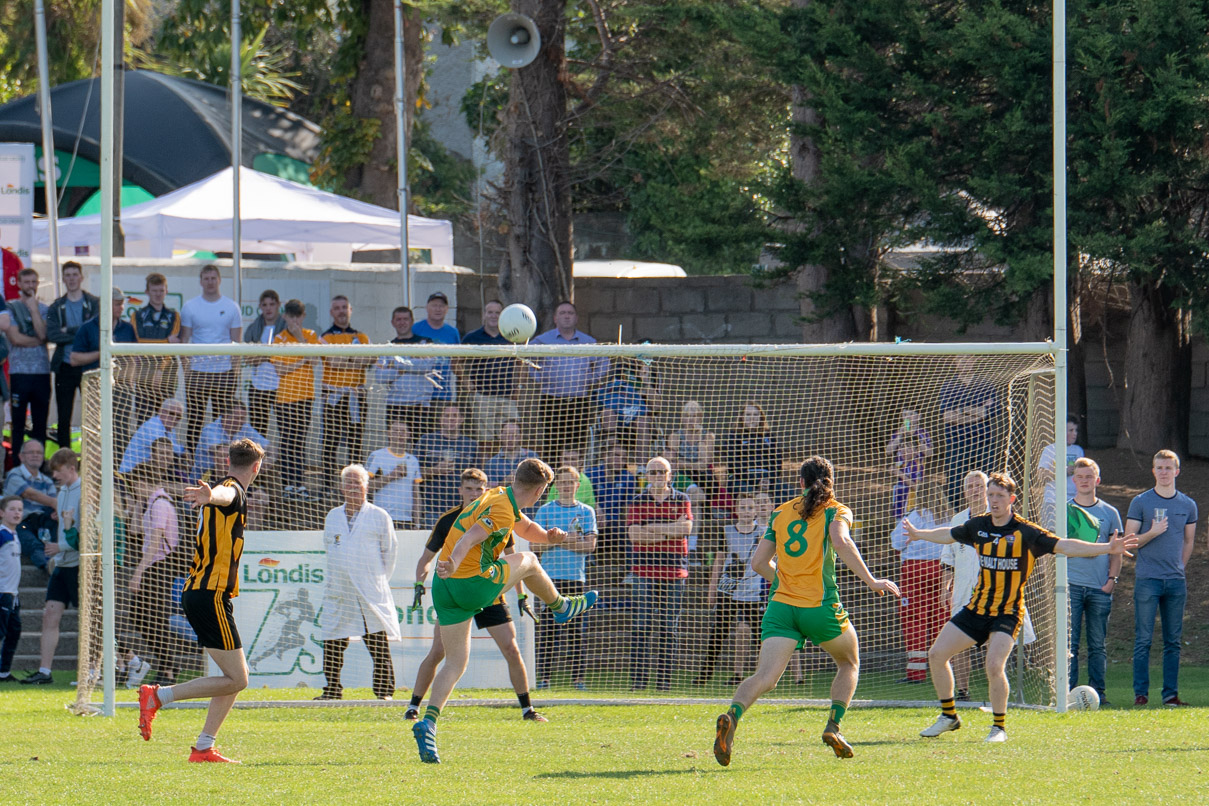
(652, 497)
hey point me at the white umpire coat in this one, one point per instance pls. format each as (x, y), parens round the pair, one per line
(360, 560)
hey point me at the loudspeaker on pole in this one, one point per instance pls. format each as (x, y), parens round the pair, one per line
(513, 40)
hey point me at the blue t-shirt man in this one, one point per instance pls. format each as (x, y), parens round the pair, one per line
(492, 376)
(576, 520)
(1162, 557)
(445, 334)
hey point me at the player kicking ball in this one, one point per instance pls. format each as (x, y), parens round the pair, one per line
(805, 535)
(472, 573)
(1008, 547)
(494, 618)
(212, 583)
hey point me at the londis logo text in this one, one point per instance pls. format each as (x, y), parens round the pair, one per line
(270, 571)
(14, 190)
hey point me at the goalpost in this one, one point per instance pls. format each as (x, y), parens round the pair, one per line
(98, 638)
(845, 402)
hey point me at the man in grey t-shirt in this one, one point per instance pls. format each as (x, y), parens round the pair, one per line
(1092, 579)
(28, 361)
(1168, 518)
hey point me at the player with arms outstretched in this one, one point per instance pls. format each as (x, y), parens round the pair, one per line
(805, 535)
(1008, 547)
(471, 574)
(494, 618)
(212, 583)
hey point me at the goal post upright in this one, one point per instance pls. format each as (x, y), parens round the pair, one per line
(108, 151)
(1061, 638)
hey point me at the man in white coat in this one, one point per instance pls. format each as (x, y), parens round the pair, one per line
(361, 546)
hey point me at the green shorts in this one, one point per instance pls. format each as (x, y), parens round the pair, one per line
(815, 624)
(458, 600)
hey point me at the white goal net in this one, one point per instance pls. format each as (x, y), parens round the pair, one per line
(901, 429)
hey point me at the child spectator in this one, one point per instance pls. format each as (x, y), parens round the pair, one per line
(560, 646)
(393, 476)
(908, 473)
(736, 594)
(11, 511)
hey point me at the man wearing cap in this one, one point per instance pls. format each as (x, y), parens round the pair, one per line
(437, 331)
(86, 354)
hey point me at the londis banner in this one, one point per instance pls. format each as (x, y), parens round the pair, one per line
(281, 596)
(17, 174)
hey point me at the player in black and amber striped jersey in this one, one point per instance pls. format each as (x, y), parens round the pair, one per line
(1008, 547)
(343, 390)
(213, 581)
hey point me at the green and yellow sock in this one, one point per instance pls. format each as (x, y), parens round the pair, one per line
(949, 708)
(736, 710)
(838, 709)
(999, 718)
(431, 713)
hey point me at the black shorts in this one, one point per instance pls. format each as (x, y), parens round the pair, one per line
(980, 627)
(212, 617)
(64, 586)
(493, 615)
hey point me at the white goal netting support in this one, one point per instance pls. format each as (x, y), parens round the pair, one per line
(734, 422)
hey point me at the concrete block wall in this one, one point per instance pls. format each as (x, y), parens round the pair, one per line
(714, 309)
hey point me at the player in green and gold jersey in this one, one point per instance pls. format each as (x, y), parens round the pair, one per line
(805, 535)
(472, 572)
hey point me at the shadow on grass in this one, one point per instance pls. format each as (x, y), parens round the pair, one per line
(619, 774)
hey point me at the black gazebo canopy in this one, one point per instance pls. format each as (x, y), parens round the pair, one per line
(177, 130)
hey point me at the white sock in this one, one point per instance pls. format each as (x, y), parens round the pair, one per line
(4, 675)
(561, 605)
(43, 670)
(164, 694)
(204, 741)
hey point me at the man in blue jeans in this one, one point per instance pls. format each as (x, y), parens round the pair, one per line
(1092, 579)
(1169, 520)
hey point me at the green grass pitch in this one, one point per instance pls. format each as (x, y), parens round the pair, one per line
(604, 754)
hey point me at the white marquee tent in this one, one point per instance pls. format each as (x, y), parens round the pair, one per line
(278, 216)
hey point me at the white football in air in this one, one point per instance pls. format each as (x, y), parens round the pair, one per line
(517, 323)
(1083, 698)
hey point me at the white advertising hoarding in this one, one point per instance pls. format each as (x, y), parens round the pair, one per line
(281, 581)
(17, 173)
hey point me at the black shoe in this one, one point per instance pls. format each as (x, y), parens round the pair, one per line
(329, 695)
(963, 694)
(38, 679)
(533, 716)
(910, 681)
(9, 679)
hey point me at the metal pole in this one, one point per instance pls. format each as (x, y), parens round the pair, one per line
(118, 58)
(1061, 611)
(48, 140)
(108, 146)
(236, 148)
(401, 151)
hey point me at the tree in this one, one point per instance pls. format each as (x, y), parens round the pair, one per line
(1140, 173)
(72, 41)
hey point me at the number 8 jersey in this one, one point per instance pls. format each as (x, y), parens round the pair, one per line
(805, 558)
